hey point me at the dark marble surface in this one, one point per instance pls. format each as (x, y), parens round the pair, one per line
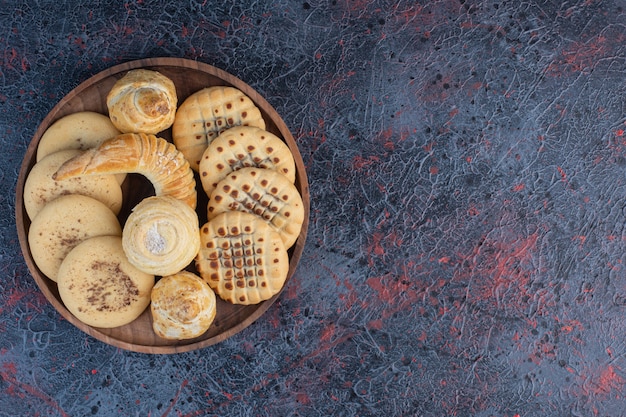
(467, 243)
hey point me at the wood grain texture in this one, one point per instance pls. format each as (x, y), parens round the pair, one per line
(189, 77)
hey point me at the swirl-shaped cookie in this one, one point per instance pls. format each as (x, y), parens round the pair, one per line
(161, 235)
(183, 306)
(143, 101)
(154, 157)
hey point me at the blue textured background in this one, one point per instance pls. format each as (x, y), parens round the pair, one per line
(466, 251)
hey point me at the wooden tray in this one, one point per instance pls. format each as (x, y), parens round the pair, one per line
(189, 77)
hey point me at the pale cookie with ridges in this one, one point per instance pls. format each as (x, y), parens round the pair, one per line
(100, 287)
(183, 306)
(242, 258)
(265, 193)
(142, 101)
(62, 224)
(242, 147)
(151, 156)
(161, 235)
(40, 187)
(207, 113)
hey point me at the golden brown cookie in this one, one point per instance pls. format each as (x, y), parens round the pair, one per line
(155, 158)
(100, 287)
(40, 187)
(142, 101)
(183, 306)
(207, 113)
(161, 235)
(241, 147)
(81, 130)
(65, 222)
(242, 258)
(265, 193)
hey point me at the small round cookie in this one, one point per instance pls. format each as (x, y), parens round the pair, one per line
(81, 130)
(65, 222)
(242, 258)
(142, 101)
(207, 113)
(265, 193)
(161, 236)
(241, 147)
(40, 188)
(183, 306)
(100, 287)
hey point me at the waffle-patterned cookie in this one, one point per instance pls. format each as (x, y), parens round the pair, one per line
(207, 113)
(242, 258)
(265, 193)
(241, 147)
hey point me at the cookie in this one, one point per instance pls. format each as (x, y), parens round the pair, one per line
(161, 235)
(242, 258)
(64, 223)
(81, 130)
(183, 306)
(40, 188)
(153, 157)
(208, 112)
(241, 147)
(100, 287)
(265, 193)
(142, 101)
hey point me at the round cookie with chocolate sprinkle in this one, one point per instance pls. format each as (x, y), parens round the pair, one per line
(81, 130)
(242, 258)
(208, 112)
(100, 287)
(65, 222)
(40, 187)
(241, 147)
(262, 192)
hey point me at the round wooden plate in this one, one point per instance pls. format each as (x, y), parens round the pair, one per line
(189, 77)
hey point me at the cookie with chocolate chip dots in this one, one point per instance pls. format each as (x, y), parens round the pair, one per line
(241, 147)
(242, 258)
(265, 193)
(208, 112)
(40, 188)
(64, 223)
(100, 287)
